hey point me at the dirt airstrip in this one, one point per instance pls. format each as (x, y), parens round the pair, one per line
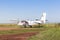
(5, 28)
(22, 36)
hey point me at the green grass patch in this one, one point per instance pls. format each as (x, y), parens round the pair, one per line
(50, 34)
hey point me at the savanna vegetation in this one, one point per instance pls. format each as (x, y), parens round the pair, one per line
(50, 31)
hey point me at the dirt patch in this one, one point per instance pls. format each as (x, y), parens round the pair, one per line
(4, 28)
(23, 36)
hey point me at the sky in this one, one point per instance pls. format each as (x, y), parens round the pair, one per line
(29, 9)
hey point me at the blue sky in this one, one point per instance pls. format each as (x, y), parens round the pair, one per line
(29, 9)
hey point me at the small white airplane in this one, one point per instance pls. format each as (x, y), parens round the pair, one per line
(41, 21)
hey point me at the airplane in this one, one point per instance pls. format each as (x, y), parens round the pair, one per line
(30, 23)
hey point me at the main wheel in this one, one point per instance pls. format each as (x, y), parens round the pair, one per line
(30, 26)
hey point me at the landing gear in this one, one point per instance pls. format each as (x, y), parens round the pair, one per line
(30, 26)
(24, 26)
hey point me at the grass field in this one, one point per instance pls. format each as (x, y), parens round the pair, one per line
(46, 32)
(21, 30)
(53, 33)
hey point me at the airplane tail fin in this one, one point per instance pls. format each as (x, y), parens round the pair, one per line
(43, 18)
